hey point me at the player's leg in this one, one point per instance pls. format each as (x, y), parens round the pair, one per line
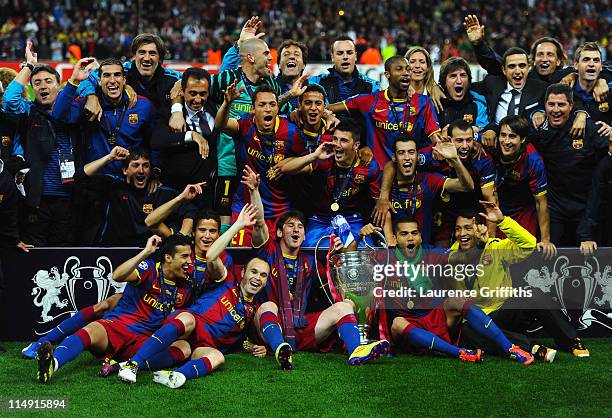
(484, 325)
(204, 361)
(269, 329)
(93, 336)
(73, 324)
(177, 353)
(341, 317)
(179, 326)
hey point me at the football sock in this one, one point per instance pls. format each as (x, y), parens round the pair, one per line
(420, 338)
(71, 347)
(348, 332)
(164, 359)
(271, 330)
(69, 326)
(159, 341)
(195, 368)
(484, 325)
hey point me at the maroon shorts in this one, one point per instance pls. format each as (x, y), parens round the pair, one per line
(527, 218)
(122, 343)
(200, 337)
(305, 337)
(243, 237)
(434, 322)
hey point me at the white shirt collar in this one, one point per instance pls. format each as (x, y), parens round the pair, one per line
(510, 88)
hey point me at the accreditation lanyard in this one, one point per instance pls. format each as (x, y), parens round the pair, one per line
(111, 133)
(167, 304)
(406, 109)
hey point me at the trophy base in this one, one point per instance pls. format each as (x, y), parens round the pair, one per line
(363, 333)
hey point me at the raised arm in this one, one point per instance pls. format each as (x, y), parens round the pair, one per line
(297, 165)
(463, 182)
(155, 220)
(126, 272)
(251, 179)
(116, 154)
(222, 121)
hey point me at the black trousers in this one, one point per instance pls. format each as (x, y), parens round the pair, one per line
(51, 224)
(563, 233)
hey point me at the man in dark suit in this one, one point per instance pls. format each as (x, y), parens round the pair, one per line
(190, 157)
(513, 93)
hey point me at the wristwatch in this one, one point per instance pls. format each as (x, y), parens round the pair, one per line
(27, 64)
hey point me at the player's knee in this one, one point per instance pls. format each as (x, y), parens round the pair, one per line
(216, 358)
(184, 347)
(268, 307)
(455, 304)
(188, 321)
(398, 326)
(343, 308)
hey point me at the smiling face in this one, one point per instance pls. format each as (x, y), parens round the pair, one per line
(312, 107)
(261, 58)
(146, 60)
(399, 75)
(515, 69)
(344, 57)
(291, 234)
(509, 143)
(408, 238)
(545, 59)
(266, 110)
(112, 81)
(345, 148)
(205, 233)
(291, 62)
(179, 266)
(465, 233)
(589, 65)
(196, 93)
(464, 142)
(418, 66)
(254, 276)
(457, 84)
(45, 88)
(137, 173)
(405, 158)
(558, 109)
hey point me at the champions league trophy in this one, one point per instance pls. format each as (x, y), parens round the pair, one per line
(351, 276)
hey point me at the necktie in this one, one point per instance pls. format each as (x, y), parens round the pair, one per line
(512, 104)
(203, 123)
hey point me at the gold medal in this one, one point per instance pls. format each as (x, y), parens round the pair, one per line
(410, 304)
(271, 173)
(335, 207)
(111, 139)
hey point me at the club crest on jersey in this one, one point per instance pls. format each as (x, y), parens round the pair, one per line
(413, 111)
(469, 118)
(603, 107)
(409, 127)
(133, 118)
(578, 143)
(147, 208)
(6, 141)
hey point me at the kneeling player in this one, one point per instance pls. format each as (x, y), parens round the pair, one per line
(428, 327)
(153, 290)
(214, 324)
(283, 315)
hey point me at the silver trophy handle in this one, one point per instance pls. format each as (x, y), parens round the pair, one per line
(324, 286)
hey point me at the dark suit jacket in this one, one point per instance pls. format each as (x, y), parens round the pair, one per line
(493, 86)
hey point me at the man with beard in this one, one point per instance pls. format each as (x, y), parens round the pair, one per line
(522, 185)
(343, 184)
(569, 163)
(126, 198)
(390, 113)
(263, 139)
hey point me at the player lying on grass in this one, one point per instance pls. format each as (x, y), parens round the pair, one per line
(427, 327)
(216, 322)
(153, 290)
(281, 320)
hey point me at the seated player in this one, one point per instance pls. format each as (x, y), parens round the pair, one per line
(496, 255)
(282, 321)
(427, 327)
(263, 139)
(342, 183)
(214, 324)
(153, 290)
(411, 192)
(482, 171)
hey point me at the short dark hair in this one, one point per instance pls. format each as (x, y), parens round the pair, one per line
(264, 88)
(548, 39)
(515, 50)
(254, 258)
(111, 61)
(348, 125)
(197, 73)
(559, 88)
(467, 213)
(404, 220)
(341, 38)
(517, 124)
(44, 68)
(587, 46)
(207, 214)
(290, 42)
(170, 244)
(403, 137)
(291, 214)
(389, 62)
(136, 153)
(150, 38)
(451, 65)
(313, 87)
(459, 124)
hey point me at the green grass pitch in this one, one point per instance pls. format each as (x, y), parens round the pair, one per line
(324, 385)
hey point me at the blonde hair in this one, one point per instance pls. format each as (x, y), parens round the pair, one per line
(429, 77)
(6, 76)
